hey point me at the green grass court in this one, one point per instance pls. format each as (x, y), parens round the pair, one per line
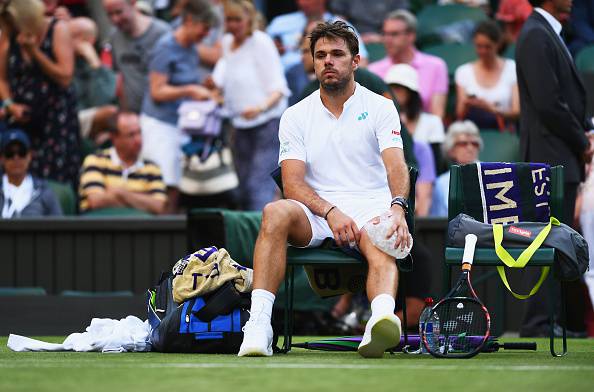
(301, 370)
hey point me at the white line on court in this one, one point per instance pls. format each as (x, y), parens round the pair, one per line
(244, 365)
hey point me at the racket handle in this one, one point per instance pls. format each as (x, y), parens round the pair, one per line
(519, 346)
(469, 244)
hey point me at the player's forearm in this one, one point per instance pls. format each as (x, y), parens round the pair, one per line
(300, 191)
(143, 202)
(398, 179)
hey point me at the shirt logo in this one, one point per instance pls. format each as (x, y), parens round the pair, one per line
(395, 132)
(363, 116)
(518, 231)
(285, 148)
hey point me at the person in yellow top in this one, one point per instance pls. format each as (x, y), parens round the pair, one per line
(118, 177)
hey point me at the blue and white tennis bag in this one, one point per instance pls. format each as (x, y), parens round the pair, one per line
(207, 324)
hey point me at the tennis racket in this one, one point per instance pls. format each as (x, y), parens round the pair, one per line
(461, 323)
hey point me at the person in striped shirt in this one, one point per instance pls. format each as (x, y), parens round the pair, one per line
(118, 177)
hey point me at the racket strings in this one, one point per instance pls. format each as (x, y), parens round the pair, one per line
(462, 326)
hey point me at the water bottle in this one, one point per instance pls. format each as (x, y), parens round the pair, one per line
(377, 235)
(432, 330)
(423, 319)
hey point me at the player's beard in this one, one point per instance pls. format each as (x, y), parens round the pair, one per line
(336, 87)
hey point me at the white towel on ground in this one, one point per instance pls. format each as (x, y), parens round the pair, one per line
(105, 335)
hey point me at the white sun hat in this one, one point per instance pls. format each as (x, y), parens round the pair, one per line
(404, 75)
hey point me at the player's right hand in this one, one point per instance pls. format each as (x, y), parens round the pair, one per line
(343, 228)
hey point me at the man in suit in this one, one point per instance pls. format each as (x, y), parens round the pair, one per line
(554, 128)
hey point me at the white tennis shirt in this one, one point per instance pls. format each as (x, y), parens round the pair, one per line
(342, 155)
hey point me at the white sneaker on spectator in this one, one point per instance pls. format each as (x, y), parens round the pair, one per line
(257, 340)
(381, 333)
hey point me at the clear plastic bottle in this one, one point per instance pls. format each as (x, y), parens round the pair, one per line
(377, 235)
(432, 329)
(423, 318)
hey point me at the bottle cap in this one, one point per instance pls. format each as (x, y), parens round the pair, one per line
(429, 301)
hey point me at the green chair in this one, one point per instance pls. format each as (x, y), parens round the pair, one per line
(510, 51)
(334, 258)
(500, 146)
(454, 55)
(376, 51)
(585, 64)
(488, 257)
(19, 291)
(584, 60)
(117, 211)
(432, 18)
(65, 195)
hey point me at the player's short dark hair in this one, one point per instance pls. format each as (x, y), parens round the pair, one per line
(536, 3)
(335, 30)
(490, 29)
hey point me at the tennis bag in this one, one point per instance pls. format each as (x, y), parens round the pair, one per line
(209, 324)
(571, 249)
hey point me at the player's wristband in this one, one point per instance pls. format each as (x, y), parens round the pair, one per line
(327, 212)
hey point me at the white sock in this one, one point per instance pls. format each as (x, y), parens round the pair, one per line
(261, 309)
(382, 305)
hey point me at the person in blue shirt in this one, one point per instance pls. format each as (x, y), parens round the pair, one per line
(174, 77)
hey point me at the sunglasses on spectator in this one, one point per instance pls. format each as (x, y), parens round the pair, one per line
(467, 143)
(12, 152)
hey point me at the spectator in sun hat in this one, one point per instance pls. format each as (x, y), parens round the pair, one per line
(21, 193)
(425, 128)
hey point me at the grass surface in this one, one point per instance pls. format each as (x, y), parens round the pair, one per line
(301, 370)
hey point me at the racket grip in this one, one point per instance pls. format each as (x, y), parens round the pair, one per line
(519, 346)
(469, 244)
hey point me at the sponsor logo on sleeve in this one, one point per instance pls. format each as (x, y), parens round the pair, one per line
(285, 148)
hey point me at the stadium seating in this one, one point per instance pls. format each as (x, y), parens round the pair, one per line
(376, 51)
(584, 60)
(454, 55)
(433, 20)
(488, 257)
(585, 64)
(117, 211)
(26, 291)
(65, 195)
(499, 146)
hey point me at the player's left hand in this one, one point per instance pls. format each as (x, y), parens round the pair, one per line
(399, 226)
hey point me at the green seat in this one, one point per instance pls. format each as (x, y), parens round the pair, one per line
(18, 291)
(117, 211)
(488, 257)
(500, 146)
(376, 51)
(333, 258)
(87, 294)
(432, 18)
(585, 64)
(454, 55)
(510, 51)
(65, 195)
(584, 60)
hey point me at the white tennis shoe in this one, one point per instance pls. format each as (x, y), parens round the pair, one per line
(257, 340)
(381, 333)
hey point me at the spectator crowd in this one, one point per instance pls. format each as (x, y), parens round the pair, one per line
(172, 93)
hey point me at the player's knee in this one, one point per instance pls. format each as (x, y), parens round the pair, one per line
(276, 216)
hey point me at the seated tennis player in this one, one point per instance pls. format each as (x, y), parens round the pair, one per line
(342, 165)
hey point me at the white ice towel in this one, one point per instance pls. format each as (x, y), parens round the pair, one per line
(105, 335)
